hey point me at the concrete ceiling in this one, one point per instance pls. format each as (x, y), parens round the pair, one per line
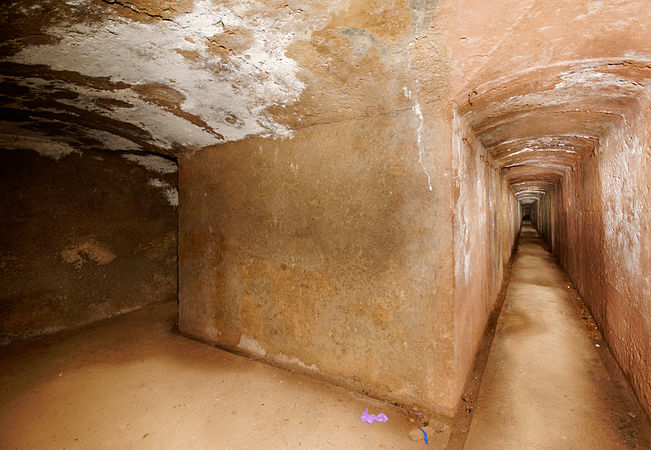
(175, 76)
(150, 76)
(539, 81)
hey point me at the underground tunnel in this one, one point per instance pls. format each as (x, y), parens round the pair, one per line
(225, 216)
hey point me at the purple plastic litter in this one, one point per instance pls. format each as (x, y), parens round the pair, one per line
(370, 418)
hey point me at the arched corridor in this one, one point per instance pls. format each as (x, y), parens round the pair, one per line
(335, 189)
(545, 382)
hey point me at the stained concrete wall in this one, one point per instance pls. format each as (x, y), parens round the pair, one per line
(84, 236)
(328, 254)
(486, 224)
(331, 251)
(602, 237)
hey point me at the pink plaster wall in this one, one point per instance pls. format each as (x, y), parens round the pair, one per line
(487, 221)
(598, 225)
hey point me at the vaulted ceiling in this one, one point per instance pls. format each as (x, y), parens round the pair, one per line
(539, 81)
(539, 125)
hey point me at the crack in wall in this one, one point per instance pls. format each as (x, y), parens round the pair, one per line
(137, 10)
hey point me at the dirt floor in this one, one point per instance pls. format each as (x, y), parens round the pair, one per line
(132, 382)
(129, 382)
(550, 382)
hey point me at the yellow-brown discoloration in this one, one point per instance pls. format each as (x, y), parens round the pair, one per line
(90, 250)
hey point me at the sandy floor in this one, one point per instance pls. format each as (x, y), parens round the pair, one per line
(129, 382)
(546, 384)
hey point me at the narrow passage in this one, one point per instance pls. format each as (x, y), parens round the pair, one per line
(546, 384)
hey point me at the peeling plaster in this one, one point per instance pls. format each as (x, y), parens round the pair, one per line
(91, 250)
(244, 86)
(153, 163)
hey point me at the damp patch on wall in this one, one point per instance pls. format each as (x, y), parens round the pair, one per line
(170, 192)
(84, 252)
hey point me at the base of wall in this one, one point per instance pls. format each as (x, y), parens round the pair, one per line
(440, 414)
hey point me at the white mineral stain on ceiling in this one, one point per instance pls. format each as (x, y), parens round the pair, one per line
(43, 145)
(230, 95)
(110, 141)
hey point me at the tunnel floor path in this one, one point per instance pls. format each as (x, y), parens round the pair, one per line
(546, 384)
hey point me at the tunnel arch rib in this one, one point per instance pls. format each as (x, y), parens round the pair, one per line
(539, 124)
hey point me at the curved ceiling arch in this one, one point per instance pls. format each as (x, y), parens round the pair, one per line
(539, 124)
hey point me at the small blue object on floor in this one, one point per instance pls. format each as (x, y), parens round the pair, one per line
(425, 435)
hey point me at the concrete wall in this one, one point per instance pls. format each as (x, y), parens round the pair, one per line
(331, 250)
(327, 253)
(486, 224)
(603, 240)
(84, 236)
(543, 218)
